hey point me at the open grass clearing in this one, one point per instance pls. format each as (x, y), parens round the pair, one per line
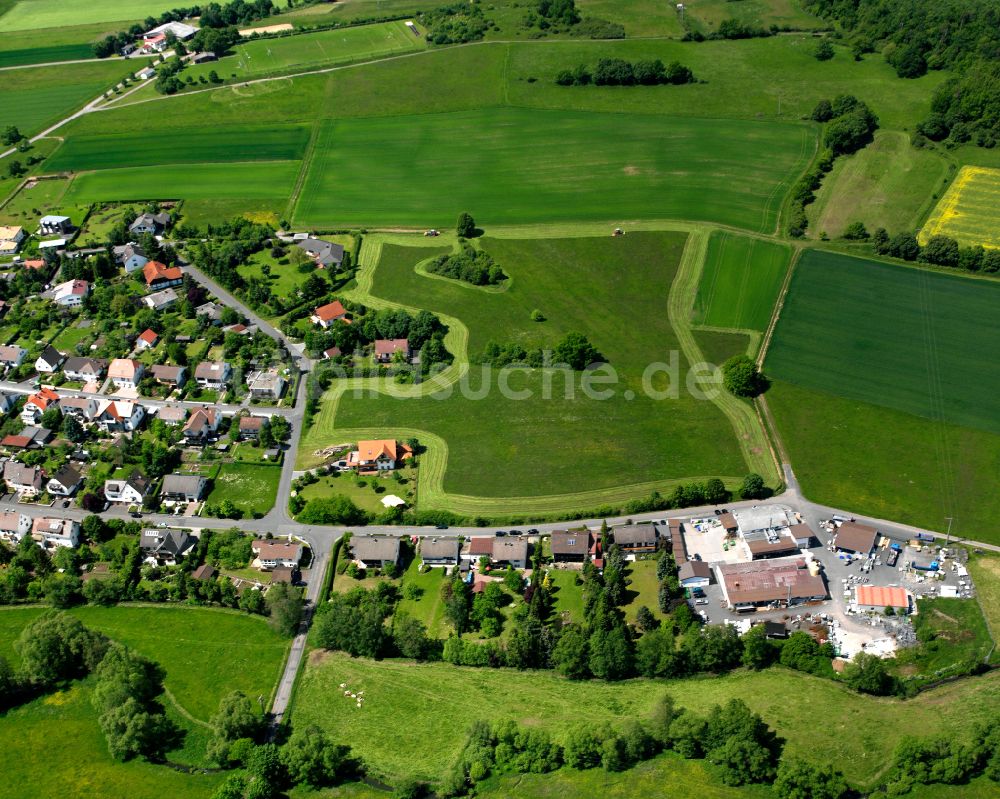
(643, 588)
(985, 570)
(640, 17)
(957, 634)
(610, 166)
(887, 184)
(719, 346)
(42, 196)
(407, 726)
(251, 487)
(740, 281)
(705, 15)
(39, 14)
(837, 333)
(970, 209)
(364, 496)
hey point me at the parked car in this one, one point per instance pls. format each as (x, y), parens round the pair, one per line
(500, 533)
(701, 601)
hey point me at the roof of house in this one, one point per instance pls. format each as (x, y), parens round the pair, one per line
(42, 398)
(79, 288)
(11, 354)
(481, 545)
(172, 413)
(770, 581)
(149, 336)
(124, 368)
(154, 270)
(325, 252)
(570, 543)
(437, 548)
(384, 346)
(371, 450)
(160, 299)
(182, 484)
(50, 526)
(34, 263)
(330, 311)
(21, 474)
(169, 542)
(211, 370)
(78, 403)
(171, 374)
(67, 476)
(200, 418)
(265, 381)
(251, 422)
(51, 356)
(210, 309)
(856, 537)
(513, 548)
(204, 572)
(267, 549)
(882, 596)
(635, 535)
(118, 409)
(16, 442)
(694, 569)
(10, 520)
(369, 548)
(333, 352)
(160, 219)
(92, 365)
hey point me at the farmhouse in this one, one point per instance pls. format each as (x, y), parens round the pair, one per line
(71, 293)
(131, 256)
(324, 253)
(168, 375)
(23, 480)
(876, 598)
(636, 539)
(695, 574)
(147, 339)
(271, 554)
(14, 526)
(86, 370)
(855, 538)
(12, 357)
(570, 547)
(440, 551)
(781, 582)
(160, 300)
(213, 374)
(156, 41)
(64, 482)
(56, 532)
(375, 550)
(125, 373)
(377, 456)
(160, 276)
(52, 225)
(386, 349)
(154, 224)
(266, 385)
(326, 315)
(183, 487)
(50, 360)
(165, 547)
(129, 492)
(11, 237)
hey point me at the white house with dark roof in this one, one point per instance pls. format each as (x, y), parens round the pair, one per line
(50, 360)
(128, 492)
(65, 482)
(85, 370)
(183, 487)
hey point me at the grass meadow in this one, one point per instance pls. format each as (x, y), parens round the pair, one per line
(18, 48)
(499, 447)
(887, 184)
(838, 333)
(431, 167)
(968, 210)
(719, 346)
(251, 487)
(38, 14)
(438, 703)
(740, 282)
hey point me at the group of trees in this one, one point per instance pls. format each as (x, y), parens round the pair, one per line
(966, 108)
(618, 72)
(742, 378)
(573, 350)
(457, 23)
(939, 250)
(471, 265)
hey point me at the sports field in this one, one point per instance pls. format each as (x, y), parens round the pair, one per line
(546, 166)
(740, 282)
(38, 14)
(265, 180)
(903, 338)
(614, 291)
(195, 145)
(970, 209)
(326, 48)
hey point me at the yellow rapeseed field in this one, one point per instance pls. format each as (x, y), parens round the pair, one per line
(969, 211)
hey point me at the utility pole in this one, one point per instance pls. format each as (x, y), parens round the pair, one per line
(948, 534)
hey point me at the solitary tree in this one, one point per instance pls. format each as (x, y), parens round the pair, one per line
(466, 226)
(823, 51)
(741, 377)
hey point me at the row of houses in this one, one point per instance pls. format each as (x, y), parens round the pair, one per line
(46, 532)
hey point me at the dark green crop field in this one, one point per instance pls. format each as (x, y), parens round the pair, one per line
(511, 165)
(907, 339)
(194, 145)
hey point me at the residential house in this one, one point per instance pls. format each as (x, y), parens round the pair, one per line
(172, 415)
(21, 479)
(85, 409)
(211, 310)
(375, 551)
(266, 385)
(128, 492)
(37, 404)
(479, 547)
(636, 539)
(386, 349)
(333, 352)
(16, 442)
(131, 256)
(147, 339)
(50, 360)
(30, 437)
(570, 547)
(213, 374)
(694, 574)
(440, 551)
(204, 572)
(378, 456)
(165, 547)
(120, 416)
(160, 276)
(71, 293)
(250, 427)
(34, 263)
(183, 487)
(160, 300)
(273, 554)
(512, 551)
(168, 375)
(125, 373)
(86, 370)
(64, 482)
(14, 526)
(201, 425)
(52, 225)
(153, 224)
(12, 357)
(56, 532)
(11, 237)
(324, 253)
(326, 315)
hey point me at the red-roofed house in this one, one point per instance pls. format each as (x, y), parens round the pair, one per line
(36, 404)
(385, 349)
(160, 276)
(326, 315)
(381, 455)
(33, 263)
(147, 338)
(71, 293)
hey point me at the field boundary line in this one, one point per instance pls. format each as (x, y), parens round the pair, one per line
(779, 303)
(183, 710)
(307, 157)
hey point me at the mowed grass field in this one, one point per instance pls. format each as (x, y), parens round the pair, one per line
(252, 487)
(740, 281)
(970, 209)
(887, 184)
(548, 166)
(325, 48)
(39, 14)
(614, 290)
(197, 145)
(416, 715)
(905, 338)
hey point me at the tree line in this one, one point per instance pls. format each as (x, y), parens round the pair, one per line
(574, 350)
(939, 250)
(619, 72)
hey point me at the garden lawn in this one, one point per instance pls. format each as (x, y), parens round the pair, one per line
(567, 595)
(415, 715)
(72, 335)
(365, 497)
(892, 335)
(968, 211)
(428, 607)
(251, 487)
(643, 588)
(740, 281)
(536, 447)
(38, 14)
(430, 168)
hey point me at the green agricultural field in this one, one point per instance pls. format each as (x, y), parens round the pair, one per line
(718, 347)
(251, 487)
(313, 50)
(968, 210)
(838, 333)
(610, 167)
(889, 464)
(58, 44)
(858, 732)
(497, 447)
(196, 145)
(39, 55)
(38, 14)
(705, 15)
(44, 196)
(740, 282)
(267, 180)
(640, 17)
(887, 184)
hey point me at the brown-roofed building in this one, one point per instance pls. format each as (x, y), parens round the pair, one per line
(570, 547)
(375, 550)
(172, 415)
(271, 553)
(168, 375)
(854, 537)
(288, 575)
(326, 315)
(802, 534)
(385, 349)
(782, 582)
(440, 551)
(22, 479)
(728, 522)
(479, 546)
(775, 545)
(636, 538)
(204, 572)
(250, 427)
(694, 574)
(201, 425)
(213, 374)
(677, 541)
(84, 369)
(513, 551)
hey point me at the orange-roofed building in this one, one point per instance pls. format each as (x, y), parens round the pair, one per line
(160, 276)
(36, 404)
(147, 338)
(380, 455)
(879, 597)
(326, 315)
